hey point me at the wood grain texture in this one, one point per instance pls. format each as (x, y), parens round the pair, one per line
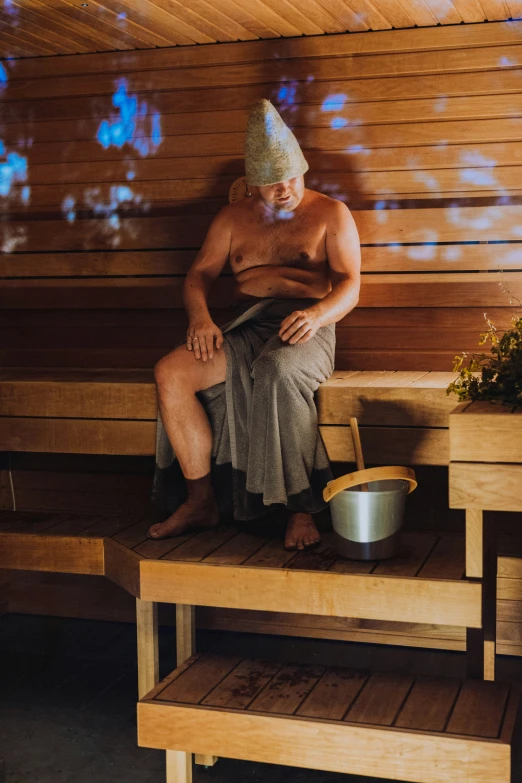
(444, 36)
(122, 566)
(355, 749)
(380, 699)
(486, 432)
(304, 591)
(148, 650)
(52, 553)
(180, 718)
(480, 486)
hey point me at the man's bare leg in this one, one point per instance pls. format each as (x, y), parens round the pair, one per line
(179, 375)
(301, 532)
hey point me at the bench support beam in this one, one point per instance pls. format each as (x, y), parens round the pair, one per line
(185, 647)
(481, 563)
(148, 655)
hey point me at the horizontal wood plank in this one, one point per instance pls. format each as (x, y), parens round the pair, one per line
(311, 592)
(442, 289)
(293, 741)
(485, 486)
(51, 553)
(485, 432)
(452, 224)
(177, 262)
(480, 58)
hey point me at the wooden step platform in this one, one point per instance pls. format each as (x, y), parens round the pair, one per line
(236, 568)
(397, 726)
(239, 570)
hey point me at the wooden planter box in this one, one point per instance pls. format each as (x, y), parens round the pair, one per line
(485, 470)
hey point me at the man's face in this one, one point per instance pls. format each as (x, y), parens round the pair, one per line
(283, 196)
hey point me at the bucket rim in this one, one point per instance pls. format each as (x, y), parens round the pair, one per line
(367, 476)
(379, 491)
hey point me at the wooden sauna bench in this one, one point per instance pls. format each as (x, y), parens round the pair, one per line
(403, 415)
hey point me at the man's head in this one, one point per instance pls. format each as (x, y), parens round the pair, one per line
(283, 196)
(273, 158)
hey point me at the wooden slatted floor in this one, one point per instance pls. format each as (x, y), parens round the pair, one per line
(422, 553)
(331, 718)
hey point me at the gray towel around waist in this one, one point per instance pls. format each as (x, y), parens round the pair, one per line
(267, 449)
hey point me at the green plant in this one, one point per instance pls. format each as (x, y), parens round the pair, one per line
(497, 378)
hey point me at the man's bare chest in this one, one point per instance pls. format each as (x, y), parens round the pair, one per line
(302, 246)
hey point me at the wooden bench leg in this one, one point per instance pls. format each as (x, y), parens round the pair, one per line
(185, 632)
(148, 658)
(185, 647)
(205, 761)
(481, 563)
(179, 766)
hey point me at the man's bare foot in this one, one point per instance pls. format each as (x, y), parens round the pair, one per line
(301, 532)
(189, 516)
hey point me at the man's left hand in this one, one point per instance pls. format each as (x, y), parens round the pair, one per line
(299, 327)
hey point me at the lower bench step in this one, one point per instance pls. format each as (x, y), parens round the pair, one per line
(396, 726)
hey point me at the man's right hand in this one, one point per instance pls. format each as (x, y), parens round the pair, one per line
(201, 335)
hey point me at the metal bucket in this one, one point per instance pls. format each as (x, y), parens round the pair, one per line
(367, 524)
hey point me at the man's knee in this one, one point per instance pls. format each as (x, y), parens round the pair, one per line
(169, 371)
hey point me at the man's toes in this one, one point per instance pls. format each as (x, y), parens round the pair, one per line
(155, 531)
(312, 539)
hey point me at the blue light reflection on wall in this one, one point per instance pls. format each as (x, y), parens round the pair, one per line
(334, 102)
(130, 126)
(3, 78)
(12, 170)
(139, 127)
(13, 174)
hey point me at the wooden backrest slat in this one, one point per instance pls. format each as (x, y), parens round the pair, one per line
(144, 263)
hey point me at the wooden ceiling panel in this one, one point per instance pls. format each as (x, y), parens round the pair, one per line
(49, 25)
(39, 28)
(348, 19)
(31, 34)
(470, 10)
(445, 11)
(495, 10)
(318, 15)
(421, 13)
(140, 30)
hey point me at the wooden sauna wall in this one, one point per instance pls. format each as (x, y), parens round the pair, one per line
(418, 131)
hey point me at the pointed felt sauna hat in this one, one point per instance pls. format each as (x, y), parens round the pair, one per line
(272, 152)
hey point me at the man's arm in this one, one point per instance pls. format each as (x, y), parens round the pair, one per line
(208, 265)
(343, 251)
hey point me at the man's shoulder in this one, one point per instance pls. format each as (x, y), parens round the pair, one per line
(324, 201)
(329, 206)
(234, 210)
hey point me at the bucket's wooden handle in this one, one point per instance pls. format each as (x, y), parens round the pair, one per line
(370, 474)
(357, 447)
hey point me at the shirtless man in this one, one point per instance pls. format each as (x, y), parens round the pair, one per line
(283, 242)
